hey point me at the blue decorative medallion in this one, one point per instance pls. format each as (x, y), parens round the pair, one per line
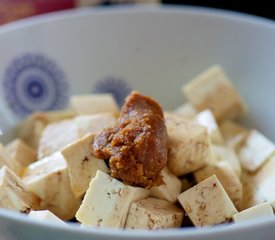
(33, 82)
(116, 86)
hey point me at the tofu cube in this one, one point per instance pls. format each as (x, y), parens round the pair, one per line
(94, 103)
(31, 128)
(53, 138)
(255, 151)
(267, 190)
(186, 110)
(14, 194)
(263, 210)
(107, 201)
(45, 215)
(7, 159)
(170, 189)
(207, 203)
(227, 177)
(48, 178)
(188, 143)
(213, 90)
(21, 152)
(152, 214)
(81, 162)
(207, 119)
(227, 154)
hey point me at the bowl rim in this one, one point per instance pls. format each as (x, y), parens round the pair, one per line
(140, 9)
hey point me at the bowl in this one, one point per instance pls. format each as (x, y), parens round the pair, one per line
(154, 49)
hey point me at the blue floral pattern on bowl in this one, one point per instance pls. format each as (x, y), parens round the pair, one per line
(33, 82)
(116, 86)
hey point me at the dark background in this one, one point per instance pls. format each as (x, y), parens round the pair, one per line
(261, 8)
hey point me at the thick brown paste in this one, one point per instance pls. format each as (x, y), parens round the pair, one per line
(137, 146)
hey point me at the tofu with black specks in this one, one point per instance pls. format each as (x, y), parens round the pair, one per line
(212, 89)
(48, 178)
(14, 194)
(263, 210)
(255, 151)
(81, 162)
(170, 189)
(228, 178)
(207, 203)
(153, 214)
(21, 152)
(188, 145)
(94, 103)
(7, 159)
(45, 215)
(107, 201)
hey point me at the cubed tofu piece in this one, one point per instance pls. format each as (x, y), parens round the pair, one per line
(251, 194)
(21, 152)
(170, 189)
(46, 215)
(81, 162)
(267, 190)
(255, 151)
(48, 178)
(31, 128)
(94, 103)
(152, 214)
(53, 138)
(207, 119)
(7, 159)
(213, 90)
(207, 203)
(107, 201)
(186, 110)
(263, 210)
(227, 154)
(228, 178)
(14, 194)
(188, 143)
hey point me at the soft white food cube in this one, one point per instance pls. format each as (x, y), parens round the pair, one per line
(82, 165)
(14, 194)
(186, 110)
(255, 151)
(48, 178)
(170, 189)
(207, 119)
(213, 90)
(152, 213)
(188, 143)
(94, 103)
(7, 159)
(263, 210)
(45, 215)
(107, 201)
(207, 203)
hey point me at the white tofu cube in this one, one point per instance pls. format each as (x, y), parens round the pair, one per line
(227, 154)
(227, 178)
(186, 110)
(107, 201)
(45, 215)
(207, 119)
(31, 128)
(188, 143)
(263, 210)
(207, 203)
(267, 190)
(152, 214)
(94, 103)
(48, 178)
(170, 189)
(7, 159)
(213, 90)
(53, 138)
(255, 151)
(81, 162)
(21, 152)
(14, 194)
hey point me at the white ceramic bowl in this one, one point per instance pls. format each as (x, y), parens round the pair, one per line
(151, 49)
